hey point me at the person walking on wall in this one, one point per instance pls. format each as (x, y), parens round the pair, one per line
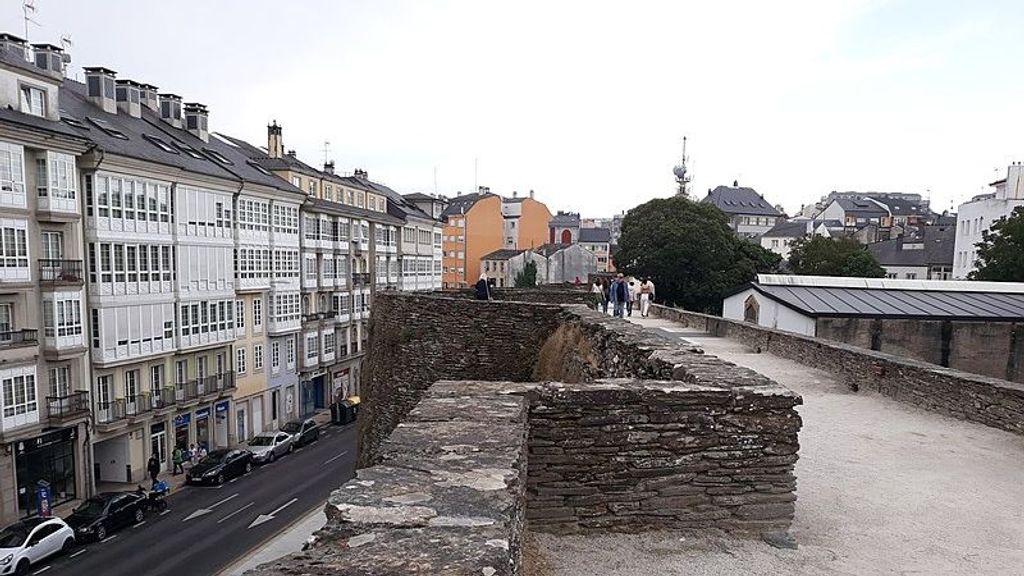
(604, 296)
(632, 296)
(483, 291)
(177, 456)
(646, 296)
(596, 289)
(619, 296)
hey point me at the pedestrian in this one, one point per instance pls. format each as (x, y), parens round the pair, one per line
(619, 295)
(193, 454)
(632, 297)
(177, 457)
(596, 289)
(202, 451)
(604, 296)
(483, 291)
(646, 296)
(153, 467)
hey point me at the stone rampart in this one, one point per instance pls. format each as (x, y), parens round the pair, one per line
(990, 401)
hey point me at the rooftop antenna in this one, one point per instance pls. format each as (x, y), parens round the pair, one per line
(682, 177)
(435, 180)
(475, 173)
(327, 151)
(29, 7)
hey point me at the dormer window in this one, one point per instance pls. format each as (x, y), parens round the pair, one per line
(72, 121)
(106, 128)
(217, 156)
(258, 167)
(33, 100)
(159, 143)
(189, 150)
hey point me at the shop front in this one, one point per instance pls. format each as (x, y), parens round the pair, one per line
(313, 394)
(202, 418)
(158, 443)
(220, 423)
(51, 458)
(182, 428)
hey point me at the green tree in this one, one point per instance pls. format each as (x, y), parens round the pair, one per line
(823, 256)
(527, 277)
(688, 250)
(1001, 250)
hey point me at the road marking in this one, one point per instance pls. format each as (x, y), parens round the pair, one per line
(233, 480)
(79, 553)
(165, 512)
(329, 460)
(236, 512)
(205, 511)
(268, 517)
(108, 538)
(139, 524)
(41, 570)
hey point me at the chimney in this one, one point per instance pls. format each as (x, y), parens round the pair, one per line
(149, 99)
(515, 194)
(735, 183)
(129, 97)
(275, 143)
(99, 82)
(14, 45)
(196, 118)
(291, 153)
(329, 167)
(50, 58)
(170, 109)
(361, 174)
(531, 193)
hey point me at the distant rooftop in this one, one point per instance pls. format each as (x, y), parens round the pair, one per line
(502, 254)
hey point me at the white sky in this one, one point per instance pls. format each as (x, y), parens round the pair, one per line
(587, 102)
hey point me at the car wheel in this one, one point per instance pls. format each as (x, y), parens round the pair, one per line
(101, 532)
(220, 478)
(69, 543)
(271, 457)
(139, 515)
(248, 465)
(23, 567)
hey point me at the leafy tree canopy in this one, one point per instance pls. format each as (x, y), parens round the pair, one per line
(843, 256)
(527, 277)
(688, 250)
(1001, 250)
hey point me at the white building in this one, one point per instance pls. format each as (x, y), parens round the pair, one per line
(781, 237)
(976, 216)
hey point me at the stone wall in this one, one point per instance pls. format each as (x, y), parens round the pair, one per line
(542, 294)
(990, 401)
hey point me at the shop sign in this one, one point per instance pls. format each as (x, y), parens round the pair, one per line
(203, 413)
(182, 419)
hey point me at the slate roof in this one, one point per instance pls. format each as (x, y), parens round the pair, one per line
(861, 207)
(565, 220)
(902, 207)
(419, 196)
(502, 254)
(788, 230)
(286, 162)
(740, 200)
(595, 235)
(939, 243)
(547, 250)
(462, 204)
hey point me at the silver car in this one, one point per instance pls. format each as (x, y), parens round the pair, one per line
(31, 541)
(268, 446)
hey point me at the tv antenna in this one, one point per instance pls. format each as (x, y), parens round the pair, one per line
(327, 151)
(682, 175)
(29, 9)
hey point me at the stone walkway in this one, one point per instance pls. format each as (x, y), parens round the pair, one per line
(884, 488)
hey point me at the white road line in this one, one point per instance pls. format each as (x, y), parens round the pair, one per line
(329, 460)
(233, 480)
(205, 511)
(285, 505)
(165, 512)
(268, 517)
(41, 570)
(79, 553)
(139, 524)
(212, 506)
(243, 508)
(108, 538)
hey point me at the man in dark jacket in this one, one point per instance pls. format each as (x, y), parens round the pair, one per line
(153, 467)
(483, 291)
(619, 294)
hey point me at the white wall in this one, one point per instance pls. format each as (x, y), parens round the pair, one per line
(973, 219)
(904, 272)
(772, 315)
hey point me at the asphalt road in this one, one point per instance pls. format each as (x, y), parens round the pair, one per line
(239, 517)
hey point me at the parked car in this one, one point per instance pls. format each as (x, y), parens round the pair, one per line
(31, 541)
(105, 512)
(302, 431)
(268, 446)
(220, 466)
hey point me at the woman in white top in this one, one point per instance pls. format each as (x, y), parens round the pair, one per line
(596, 289)
(646, 295)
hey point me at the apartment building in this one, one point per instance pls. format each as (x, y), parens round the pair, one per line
(976, 216)
(44, 373)
(526, 222)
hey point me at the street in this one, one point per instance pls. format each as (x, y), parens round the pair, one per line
(205, 529)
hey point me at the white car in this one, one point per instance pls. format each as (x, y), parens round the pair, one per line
(31, 541)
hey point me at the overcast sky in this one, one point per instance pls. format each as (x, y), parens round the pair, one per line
(587, 102)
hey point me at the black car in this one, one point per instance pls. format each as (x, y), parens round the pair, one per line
(220, 466)
(100, 515)
(302, 431)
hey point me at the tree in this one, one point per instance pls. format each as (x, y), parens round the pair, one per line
(1001, 250)
(527, 277)
(823, 256)
(688, 250)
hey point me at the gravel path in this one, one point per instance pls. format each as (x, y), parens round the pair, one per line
(884, 488)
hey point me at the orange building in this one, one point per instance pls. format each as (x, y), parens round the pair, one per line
(472, 228)
(526, 222)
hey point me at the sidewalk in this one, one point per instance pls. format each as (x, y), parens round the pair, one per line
(284, 543)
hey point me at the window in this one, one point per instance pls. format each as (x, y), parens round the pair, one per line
(257, 313)
(159, 143)
(297, 182)
(258, 167)
(329, 343)
(240, 360)
(275, 356)
(33, 100)
(106, 128)
(12, 175)
(19, 394)
(60, 381)
(911, 276)
(217, 156)
(257, 357)
(131, 384)
(55, 176)
(239, 314)
(286, 307)
(290, 358)
(156, 378)
(6, 321)
(62, 316)
(188, 150)
(312, 346)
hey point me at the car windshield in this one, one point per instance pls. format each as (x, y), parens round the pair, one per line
(291, 427)
(13, 536)
(91, 507)
(215, 457)
(262, 441)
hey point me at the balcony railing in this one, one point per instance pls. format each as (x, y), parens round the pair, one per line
(16, 338)
(138, 405)
(314, 316)
(60, 271)
(68, 406)
(162, 398)
(109, 412)
(360, 278)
